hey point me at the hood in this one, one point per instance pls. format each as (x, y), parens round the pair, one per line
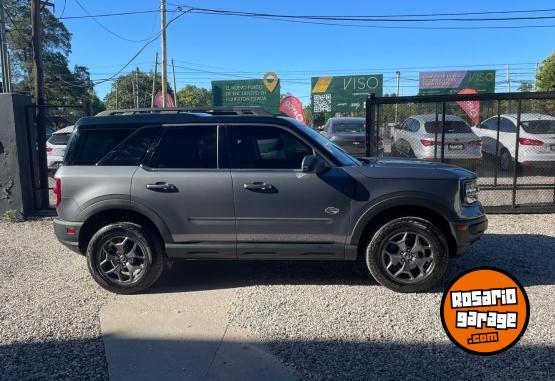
(412, 169)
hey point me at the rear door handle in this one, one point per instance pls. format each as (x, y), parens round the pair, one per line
(161, 187)
(258, 185)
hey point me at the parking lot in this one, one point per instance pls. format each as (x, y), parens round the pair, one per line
(324, 320)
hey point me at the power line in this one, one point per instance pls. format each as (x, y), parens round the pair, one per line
(141, 49)
(108, 29)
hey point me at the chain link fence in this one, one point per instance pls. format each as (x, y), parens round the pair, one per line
(507, 139)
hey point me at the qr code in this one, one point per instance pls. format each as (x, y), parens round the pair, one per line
(322, 102)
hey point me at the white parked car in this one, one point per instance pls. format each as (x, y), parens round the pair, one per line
(420, 137)
(536, 142)
(56, 147)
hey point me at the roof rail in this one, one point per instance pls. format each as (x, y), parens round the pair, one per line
(247, 110)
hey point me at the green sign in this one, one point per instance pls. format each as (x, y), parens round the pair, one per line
(453, 82)
(344, 93)
(249, 92)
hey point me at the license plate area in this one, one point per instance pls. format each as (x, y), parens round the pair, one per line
(455, 147)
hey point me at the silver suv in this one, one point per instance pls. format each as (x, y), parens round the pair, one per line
(141, 190)
(420, 136)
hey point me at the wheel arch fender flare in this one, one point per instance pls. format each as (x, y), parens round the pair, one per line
(421, 200)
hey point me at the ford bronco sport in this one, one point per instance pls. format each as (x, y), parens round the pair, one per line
(139, 189)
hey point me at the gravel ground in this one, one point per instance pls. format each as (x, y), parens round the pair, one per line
(327, 320)
(330, 324)
(49, 324)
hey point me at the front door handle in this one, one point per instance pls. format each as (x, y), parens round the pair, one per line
(258, 185)
(162, 187)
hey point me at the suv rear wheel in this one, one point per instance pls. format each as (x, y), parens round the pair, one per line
(407, 254)
(125, 258)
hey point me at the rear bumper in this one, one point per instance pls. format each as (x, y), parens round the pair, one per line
(468, 231)
(67, 233)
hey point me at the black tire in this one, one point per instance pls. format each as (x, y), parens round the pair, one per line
(436, 241)
(152, 255)
(505, 160)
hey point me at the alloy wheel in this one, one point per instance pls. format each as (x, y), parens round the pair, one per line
(408, 257)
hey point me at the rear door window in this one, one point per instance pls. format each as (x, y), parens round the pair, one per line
(193, 147)
(451, 127)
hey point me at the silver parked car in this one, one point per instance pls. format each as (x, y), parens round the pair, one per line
(536, 139)
(420, 136)
(347, 133)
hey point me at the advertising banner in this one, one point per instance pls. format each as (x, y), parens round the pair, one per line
(344, 93)
(451, 82)
(264, 93)
(459, 82)
(293, 107)
(158, 100)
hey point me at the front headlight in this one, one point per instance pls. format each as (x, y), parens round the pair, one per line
(470, 191)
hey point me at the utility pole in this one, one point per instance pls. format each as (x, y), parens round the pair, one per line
(117, 103)
(508, 79)
(38, 82)
(137, 84)
(174, 86)
(154, 80)
(3, 51)
(398, 75)
(536, 76)
(9, 72)
(164, 53)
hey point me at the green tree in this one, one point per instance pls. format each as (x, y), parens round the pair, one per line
(192, 96)
(545, 80)
(125, 85)
(62, 85)
(308, 114)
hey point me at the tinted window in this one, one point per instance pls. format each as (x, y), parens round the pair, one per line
(187, 147)
(269, 148)
(507, 126)
(348, 128)
(132, 150)
(413, 126)
(539, 126)
(91, 145)
(490, 124)
(451, 127)
(59, 139)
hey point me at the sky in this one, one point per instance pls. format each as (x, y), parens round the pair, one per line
(209, 47)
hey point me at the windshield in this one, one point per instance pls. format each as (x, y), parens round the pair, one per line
(59, 139)
(539, 126)
(341, 156)
(451, 127)
(348, 128)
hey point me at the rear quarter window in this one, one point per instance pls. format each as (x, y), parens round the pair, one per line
(89, 145)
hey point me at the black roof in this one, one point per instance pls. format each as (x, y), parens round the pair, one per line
(177, 116)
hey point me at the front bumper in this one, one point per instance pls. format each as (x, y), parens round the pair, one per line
(468, 231)
(67, 233)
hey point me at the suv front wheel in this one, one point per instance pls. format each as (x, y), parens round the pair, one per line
(125, 258)
(407, 254)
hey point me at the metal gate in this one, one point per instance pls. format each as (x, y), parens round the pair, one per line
(515, 165)
(56, 117)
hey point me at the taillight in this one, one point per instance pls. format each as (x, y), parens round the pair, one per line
(530, 142)
(49, 149)
(475, 142)
(57, 191)
(428, 143)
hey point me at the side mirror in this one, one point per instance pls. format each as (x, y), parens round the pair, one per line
(314, 164)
